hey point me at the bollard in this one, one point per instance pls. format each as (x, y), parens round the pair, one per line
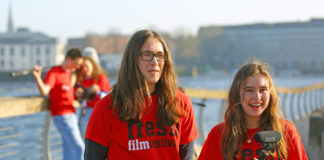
(316, 134)
(322, 149)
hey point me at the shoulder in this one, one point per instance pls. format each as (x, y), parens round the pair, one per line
(55, 69)
(218, 129)
(182, 97)
(184, 102)
(104, 104)
(101, 76)
(215, 136)
(290, 129)
(288, 125)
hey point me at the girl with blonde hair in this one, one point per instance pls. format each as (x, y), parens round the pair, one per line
(252, 107)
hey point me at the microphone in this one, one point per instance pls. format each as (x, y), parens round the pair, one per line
(267, 137)
(268, 140)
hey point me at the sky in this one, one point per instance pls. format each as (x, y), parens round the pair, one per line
(64, 19)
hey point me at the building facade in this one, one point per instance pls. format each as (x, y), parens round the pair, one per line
(288, 47)
(104, 44)
(22, 49)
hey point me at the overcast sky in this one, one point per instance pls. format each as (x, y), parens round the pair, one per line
(75, 18)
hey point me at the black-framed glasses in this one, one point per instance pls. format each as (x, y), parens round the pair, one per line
(148, 56)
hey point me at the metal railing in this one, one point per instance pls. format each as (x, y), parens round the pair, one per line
(34, 127)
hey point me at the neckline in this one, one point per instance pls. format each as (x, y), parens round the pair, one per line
(250, 134)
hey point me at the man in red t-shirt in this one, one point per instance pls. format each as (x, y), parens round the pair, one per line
(58, 83)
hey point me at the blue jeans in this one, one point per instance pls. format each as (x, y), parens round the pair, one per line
(84, 118)
(73, 145)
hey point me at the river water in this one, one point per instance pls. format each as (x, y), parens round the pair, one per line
(21, 126)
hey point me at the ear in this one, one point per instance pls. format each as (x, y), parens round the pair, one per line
(68, 58)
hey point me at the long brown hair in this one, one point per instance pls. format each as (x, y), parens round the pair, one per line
(97, 70)
(235, 125)
(131, 87)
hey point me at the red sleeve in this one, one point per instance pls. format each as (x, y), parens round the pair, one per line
(99, 126)
(212, 146)
(294, 143)
(188, 126)
(50, 78)
(103, 83)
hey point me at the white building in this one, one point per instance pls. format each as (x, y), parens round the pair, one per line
(23, 49)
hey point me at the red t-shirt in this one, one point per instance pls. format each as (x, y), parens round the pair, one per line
(144, 140)
(212, 147)
(61, 93)
(103, 84)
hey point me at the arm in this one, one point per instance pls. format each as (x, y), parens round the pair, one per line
(104, 86)
(188, 126)
(212, 148)
(94, 150)
(42, 87)
(186, 151)
(294, 143)
(98, 131)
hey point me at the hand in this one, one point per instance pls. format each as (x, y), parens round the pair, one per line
(95, 89)
(79, 92)
(37, 72)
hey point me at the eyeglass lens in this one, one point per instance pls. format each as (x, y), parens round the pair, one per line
(148, 56)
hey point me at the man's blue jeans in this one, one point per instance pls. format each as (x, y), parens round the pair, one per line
(73, 145)
(84, 118)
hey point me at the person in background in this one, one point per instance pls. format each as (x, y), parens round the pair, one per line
(145, 116)
(92, 53)
(252, 107)
(92, 84)
(58, 83)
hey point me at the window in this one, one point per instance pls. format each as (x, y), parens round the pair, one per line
(2, 64)
(38, 62)
(38, 51)
(22, 51)
(48, 62)
(48, 51)
(12, 64)
(12, 52)
(1, 51)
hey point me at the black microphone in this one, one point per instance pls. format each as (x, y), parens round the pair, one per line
(268, 140)
(267, 137)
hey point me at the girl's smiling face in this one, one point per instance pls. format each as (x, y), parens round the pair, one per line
(255, 96)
